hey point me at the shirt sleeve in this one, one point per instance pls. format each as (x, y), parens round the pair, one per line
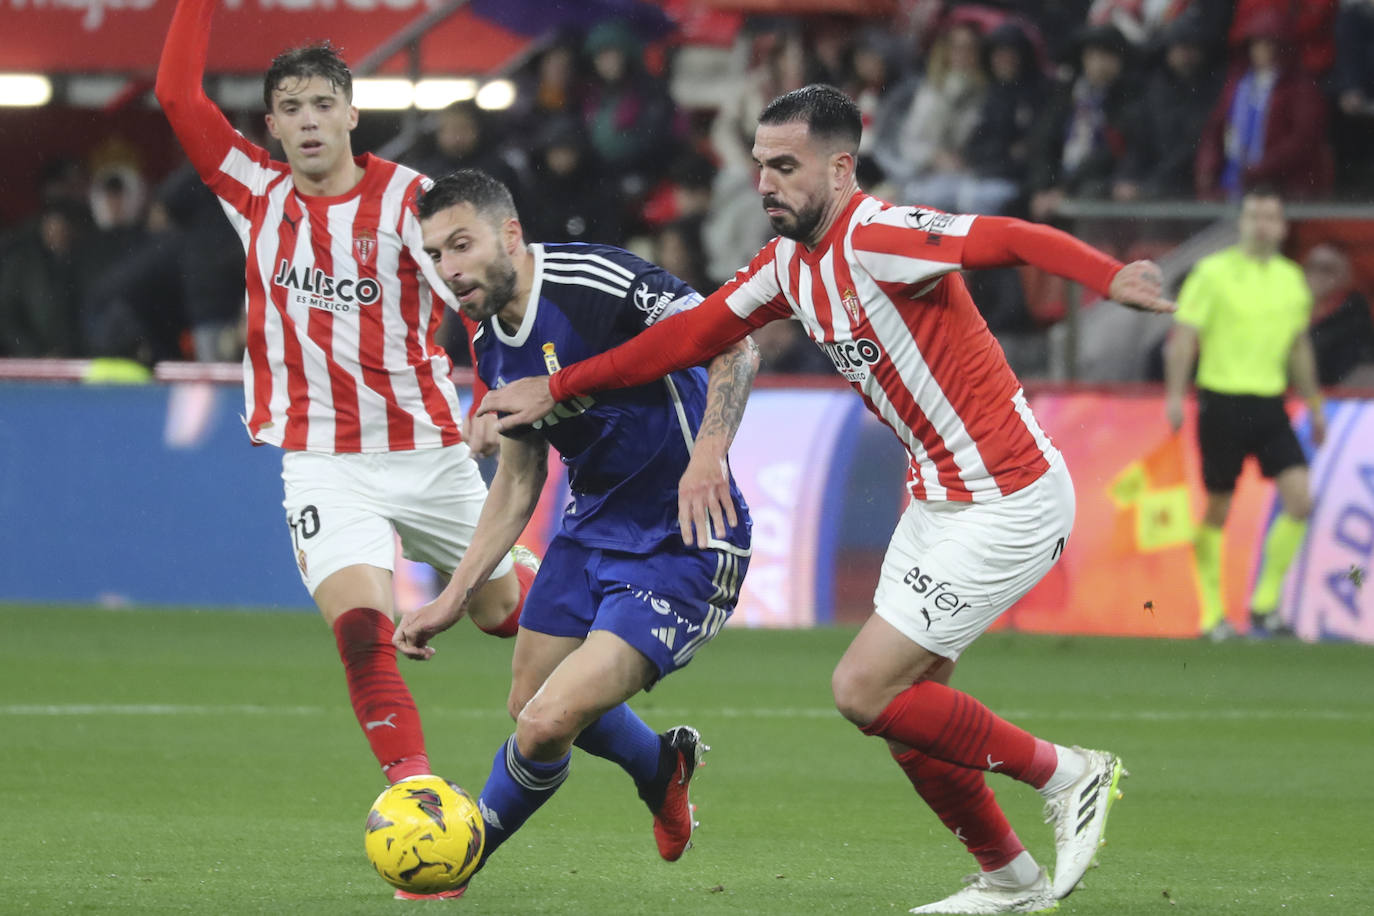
(1194, 299)
(1000, 241)
(911, 245)
(655, 294)
(234, 168)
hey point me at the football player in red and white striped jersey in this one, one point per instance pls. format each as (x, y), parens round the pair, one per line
(877, 288)
(342, 369)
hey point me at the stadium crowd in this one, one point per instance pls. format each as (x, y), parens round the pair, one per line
(1007, 107)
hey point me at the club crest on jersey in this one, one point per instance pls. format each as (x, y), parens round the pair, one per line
(550, 358)
(851, 304)
(312, 287)
(365, 247)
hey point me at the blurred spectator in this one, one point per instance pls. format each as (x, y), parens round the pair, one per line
(920, 137)
(1308, 27)
(736, 226)
(134, 309)
(871, 74)
(776, 64)
(684, 194)
(574, 202)
(116, 204)
(997, 155)
(1342, 327)
(827, 40)
(632, 123)
(677, 249)
(1168, 119)
(1352, 83)
(210, 259)
(1146, 23)
(1057, 21)
(1268, 127)
(41, 284)
(1080, 140)
(551, 85)
(64, 180)
(464, 138)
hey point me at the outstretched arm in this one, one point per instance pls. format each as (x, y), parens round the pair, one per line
(198, 123)
(999, 241)
(511, 502)
(686, 339)
(704, 501)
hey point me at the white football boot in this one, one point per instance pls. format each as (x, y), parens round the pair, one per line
(1079, 815)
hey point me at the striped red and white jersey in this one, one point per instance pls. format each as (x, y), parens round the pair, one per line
(881, 297)
(343, 308)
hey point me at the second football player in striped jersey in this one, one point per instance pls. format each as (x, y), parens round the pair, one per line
(341, 367)
(876, 286)
(624, 596)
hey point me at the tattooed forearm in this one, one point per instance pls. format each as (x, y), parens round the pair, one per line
(730, 376)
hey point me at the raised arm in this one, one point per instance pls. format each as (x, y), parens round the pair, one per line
(705, 506)
(201, 127)
(510, 504)
(1000, 241)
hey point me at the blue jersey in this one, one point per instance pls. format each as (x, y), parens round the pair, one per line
(625, 450)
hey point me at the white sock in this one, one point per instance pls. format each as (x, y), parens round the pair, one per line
(1072, 766)
(1021, 871)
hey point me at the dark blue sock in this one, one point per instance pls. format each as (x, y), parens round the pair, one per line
(622, 737)
(515, 789)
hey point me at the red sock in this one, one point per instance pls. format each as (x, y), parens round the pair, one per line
(508, 627)
(380, 697)
(964, 803)
(950, 725)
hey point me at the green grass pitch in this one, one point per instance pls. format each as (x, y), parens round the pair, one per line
(159, 761)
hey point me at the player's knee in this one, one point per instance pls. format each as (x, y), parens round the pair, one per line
(856, 694)
(1300, 507)
(542, 733)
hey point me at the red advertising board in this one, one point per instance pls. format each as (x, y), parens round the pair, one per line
(125, 36)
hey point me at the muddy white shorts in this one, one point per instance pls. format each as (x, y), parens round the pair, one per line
(347, 509)
(953, 568)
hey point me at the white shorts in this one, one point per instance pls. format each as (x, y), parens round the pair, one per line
(347, 509)
(953, 568)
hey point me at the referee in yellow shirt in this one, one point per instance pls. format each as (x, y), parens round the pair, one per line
(1247, 308)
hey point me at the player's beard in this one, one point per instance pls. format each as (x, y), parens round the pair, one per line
(498, 289)
(797, 225)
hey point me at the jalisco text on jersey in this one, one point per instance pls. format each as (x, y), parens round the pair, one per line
(364, 290)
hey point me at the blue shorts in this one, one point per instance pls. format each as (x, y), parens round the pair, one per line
(666, 604)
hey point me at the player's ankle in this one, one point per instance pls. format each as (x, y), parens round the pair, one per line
(1022, 871)
(406, 767)
(1070, 769)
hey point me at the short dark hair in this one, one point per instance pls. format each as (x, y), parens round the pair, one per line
(828, 113)
(488, 196)
(319, 59)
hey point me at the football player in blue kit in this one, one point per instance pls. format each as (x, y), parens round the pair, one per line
(655, 539)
